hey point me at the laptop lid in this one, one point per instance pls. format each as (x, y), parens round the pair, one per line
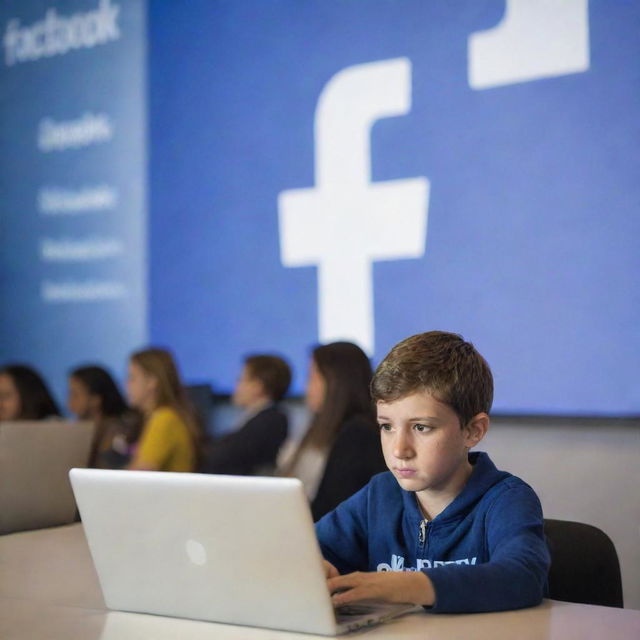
(232, 549)
(35, 459)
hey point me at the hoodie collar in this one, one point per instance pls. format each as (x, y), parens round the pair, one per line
(482, 478)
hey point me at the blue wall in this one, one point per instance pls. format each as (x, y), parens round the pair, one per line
(328, 169)
(532, 211)
(72, 183)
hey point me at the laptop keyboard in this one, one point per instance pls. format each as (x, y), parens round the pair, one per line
(350, 610)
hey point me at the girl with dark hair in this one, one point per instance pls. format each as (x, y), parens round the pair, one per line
(93, 395)
(341, 448)
(171, 437)
(24, 395)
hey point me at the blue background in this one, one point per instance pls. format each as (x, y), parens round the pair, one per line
(107, 79)
(532, 249)
(532, 244)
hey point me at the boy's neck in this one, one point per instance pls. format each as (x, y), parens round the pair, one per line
(432, 502)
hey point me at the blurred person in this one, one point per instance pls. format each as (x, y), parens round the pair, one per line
(24, 395)
(171, 436)
(341, 449)
(94, 396)
(252, 448)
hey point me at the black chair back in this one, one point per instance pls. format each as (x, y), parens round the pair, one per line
(584, 564)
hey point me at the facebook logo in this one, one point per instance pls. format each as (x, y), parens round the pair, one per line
(346, 222)
(449, 175)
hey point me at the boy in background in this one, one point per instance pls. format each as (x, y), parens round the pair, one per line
(253, 447)
(443, 528)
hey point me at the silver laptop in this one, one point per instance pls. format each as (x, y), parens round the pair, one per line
(231, 549)
(35, 458)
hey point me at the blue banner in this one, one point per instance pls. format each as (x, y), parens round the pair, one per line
(368, 170)
(72, 183)
(325, 170)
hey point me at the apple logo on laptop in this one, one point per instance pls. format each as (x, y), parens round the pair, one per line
(196, 552)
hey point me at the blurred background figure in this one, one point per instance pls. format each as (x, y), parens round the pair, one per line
(252, 448)
(24, 395)
(171, 437)
(340, 450)
(94, 396)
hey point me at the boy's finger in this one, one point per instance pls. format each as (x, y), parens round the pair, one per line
(340, 583)
(348, 596)
(336, 588)
(330, 570)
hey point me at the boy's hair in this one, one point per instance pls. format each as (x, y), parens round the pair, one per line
(442, 364)
(272, 371)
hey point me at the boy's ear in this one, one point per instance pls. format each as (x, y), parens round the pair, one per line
(476, 429)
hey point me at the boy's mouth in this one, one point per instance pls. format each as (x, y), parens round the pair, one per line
(405, 473)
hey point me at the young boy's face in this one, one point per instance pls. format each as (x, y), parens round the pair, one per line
(423, 444)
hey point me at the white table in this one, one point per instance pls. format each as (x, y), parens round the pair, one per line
(49, 590)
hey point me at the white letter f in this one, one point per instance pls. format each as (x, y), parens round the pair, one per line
(346, 222)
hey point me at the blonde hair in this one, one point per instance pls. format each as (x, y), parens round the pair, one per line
(170, 392)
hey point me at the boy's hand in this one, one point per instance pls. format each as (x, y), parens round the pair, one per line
(390, 586)
(329, 570)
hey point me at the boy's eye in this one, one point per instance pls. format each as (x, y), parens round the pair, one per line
(421, 427)
(385, 426)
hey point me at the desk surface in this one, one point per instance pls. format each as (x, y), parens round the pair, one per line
(49, 589)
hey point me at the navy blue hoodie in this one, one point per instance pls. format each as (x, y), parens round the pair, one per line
(485, 552)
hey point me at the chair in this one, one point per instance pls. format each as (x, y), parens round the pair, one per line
(584, 564)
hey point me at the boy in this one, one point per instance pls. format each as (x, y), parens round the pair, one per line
(253, 448)
(443, 528)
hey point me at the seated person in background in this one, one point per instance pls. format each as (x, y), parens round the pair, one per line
(443, 528)
(253, 448)
(94, 396)
(171, 436)
(341, 448)
(24, 395)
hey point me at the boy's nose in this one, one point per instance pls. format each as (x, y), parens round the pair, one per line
(402, 448)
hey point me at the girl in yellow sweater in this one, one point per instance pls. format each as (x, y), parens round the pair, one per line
(170, 436)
